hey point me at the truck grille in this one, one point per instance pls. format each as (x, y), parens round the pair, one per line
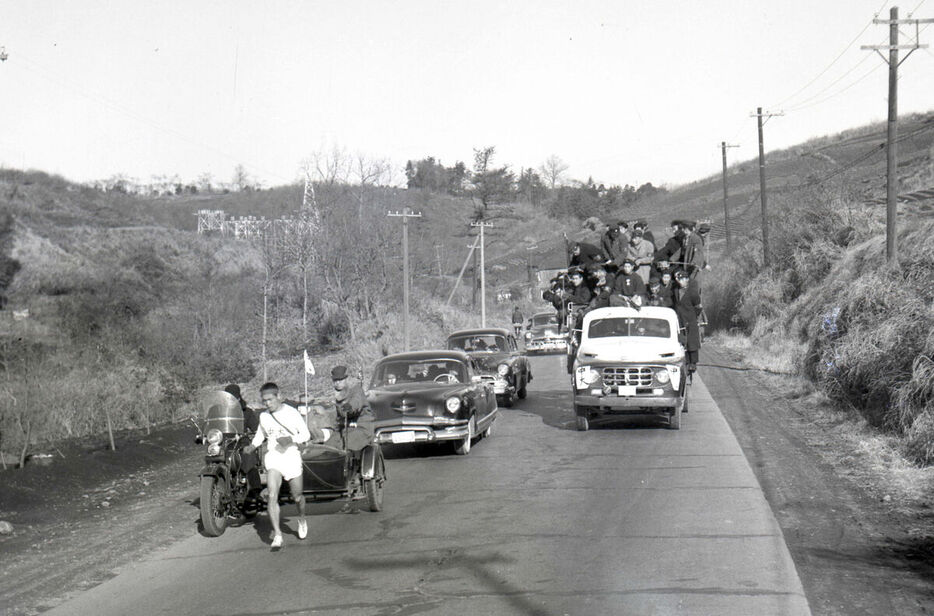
(639, 376)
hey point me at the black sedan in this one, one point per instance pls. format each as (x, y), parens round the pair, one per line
(542, 335)
(501, 363)
(429, 397)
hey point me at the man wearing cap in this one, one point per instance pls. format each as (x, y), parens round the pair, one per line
(671, 251)
(583, 254)
(642, 254)
(354, 418)
(248, 461)
(692, 256)
(647, 235)
(628, 287)
(687, 303)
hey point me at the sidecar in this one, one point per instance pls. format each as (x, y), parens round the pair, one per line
(330, 473)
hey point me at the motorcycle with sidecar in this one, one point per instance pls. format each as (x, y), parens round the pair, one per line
(330, 470)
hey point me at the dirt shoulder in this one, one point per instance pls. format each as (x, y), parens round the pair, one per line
(92, 511)
(857, 520)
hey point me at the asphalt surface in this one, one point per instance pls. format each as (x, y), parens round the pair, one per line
(539, 519)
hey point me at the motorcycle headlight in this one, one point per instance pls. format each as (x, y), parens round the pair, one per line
(503, 369)
(452, 404)
(662, 375)
(214, 449)
(214, 436)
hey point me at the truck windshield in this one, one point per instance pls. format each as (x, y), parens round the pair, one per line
(629, 326)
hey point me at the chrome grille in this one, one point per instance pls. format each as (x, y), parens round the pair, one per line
(403, 406)
(634, 375)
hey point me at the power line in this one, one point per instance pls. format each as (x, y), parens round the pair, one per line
(834, 61)
(839, 92)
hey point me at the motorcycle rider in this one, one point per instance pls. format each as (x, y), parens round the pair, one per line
(355, 420)
(248, 461)
(284, 429)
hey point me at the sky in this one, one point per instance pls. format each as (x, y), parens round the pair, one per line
(624, 92)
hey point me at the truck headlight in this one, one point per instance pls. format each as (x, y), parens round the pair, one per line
(503, 369)
(528, 335)
(452, 404)
(662, 375)
(214, 436)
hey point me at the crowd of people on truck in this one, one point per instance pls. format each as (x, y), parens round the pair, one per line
(628, 269)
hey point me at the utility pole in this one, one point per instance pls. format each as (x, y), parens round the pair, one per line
(726, 209)
(891, 145)
(765, 215)
(405, 215)
(482, 225)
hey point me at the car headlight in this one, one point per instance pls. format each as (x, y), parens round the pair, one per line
(452, 404)
(662, 375)
(214, 436)
(503, 369)
(585, 376)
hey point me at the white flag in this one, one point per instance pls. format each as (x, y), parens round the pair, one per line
(309, 367)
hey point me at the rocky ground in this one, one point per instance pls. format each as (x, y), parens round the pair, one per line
(860, 532)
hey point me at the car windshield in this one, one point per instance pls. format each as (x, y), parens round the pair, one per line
(419, 371)
(544, 319)
(629, 326)
(475, 343)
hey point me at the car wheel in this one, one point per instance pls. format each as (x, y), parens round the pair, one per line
(522, 393)
(583, 424)
(213, 509)
(462, 447)
(374, 487)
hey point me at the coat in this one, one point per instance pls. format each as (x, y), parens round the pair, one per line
(587, 255)
(687, 305)
(693, 254)
(352, 406)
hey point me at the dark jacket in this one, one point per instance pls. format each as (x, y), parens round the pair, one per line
(687, 304)
(629, 285)
(352, 406)
(587, 255)
(517, 316)
(671, 251)
(693, 254)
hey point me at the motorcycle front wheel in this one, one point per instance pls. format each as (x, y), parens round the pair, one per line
(374, 487)
(213, 507)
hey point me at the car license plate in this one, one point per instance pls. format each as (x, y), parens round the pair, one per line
(627, 390)
(403, 437)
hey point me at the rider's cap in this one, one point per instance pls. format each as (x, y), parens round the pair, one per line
(690, 224)
(704, 227)
(234, 390)
(629, 261)
(575, 271)
(677, 223)
(338, 373)
(682, 274)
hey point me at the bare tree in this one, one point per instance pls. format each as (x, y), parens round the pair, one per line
(241, 178)
(553, 170)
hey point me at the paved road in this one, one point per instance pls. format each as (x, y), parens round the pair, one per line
(538, 519)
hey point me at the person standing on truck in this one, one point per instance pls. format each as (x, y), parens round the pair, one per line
(687, 303)
(642, 254)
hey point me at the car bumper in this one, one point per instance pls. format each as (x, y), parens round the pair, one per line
(421, 433)
(550, 345)
(590, 405)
